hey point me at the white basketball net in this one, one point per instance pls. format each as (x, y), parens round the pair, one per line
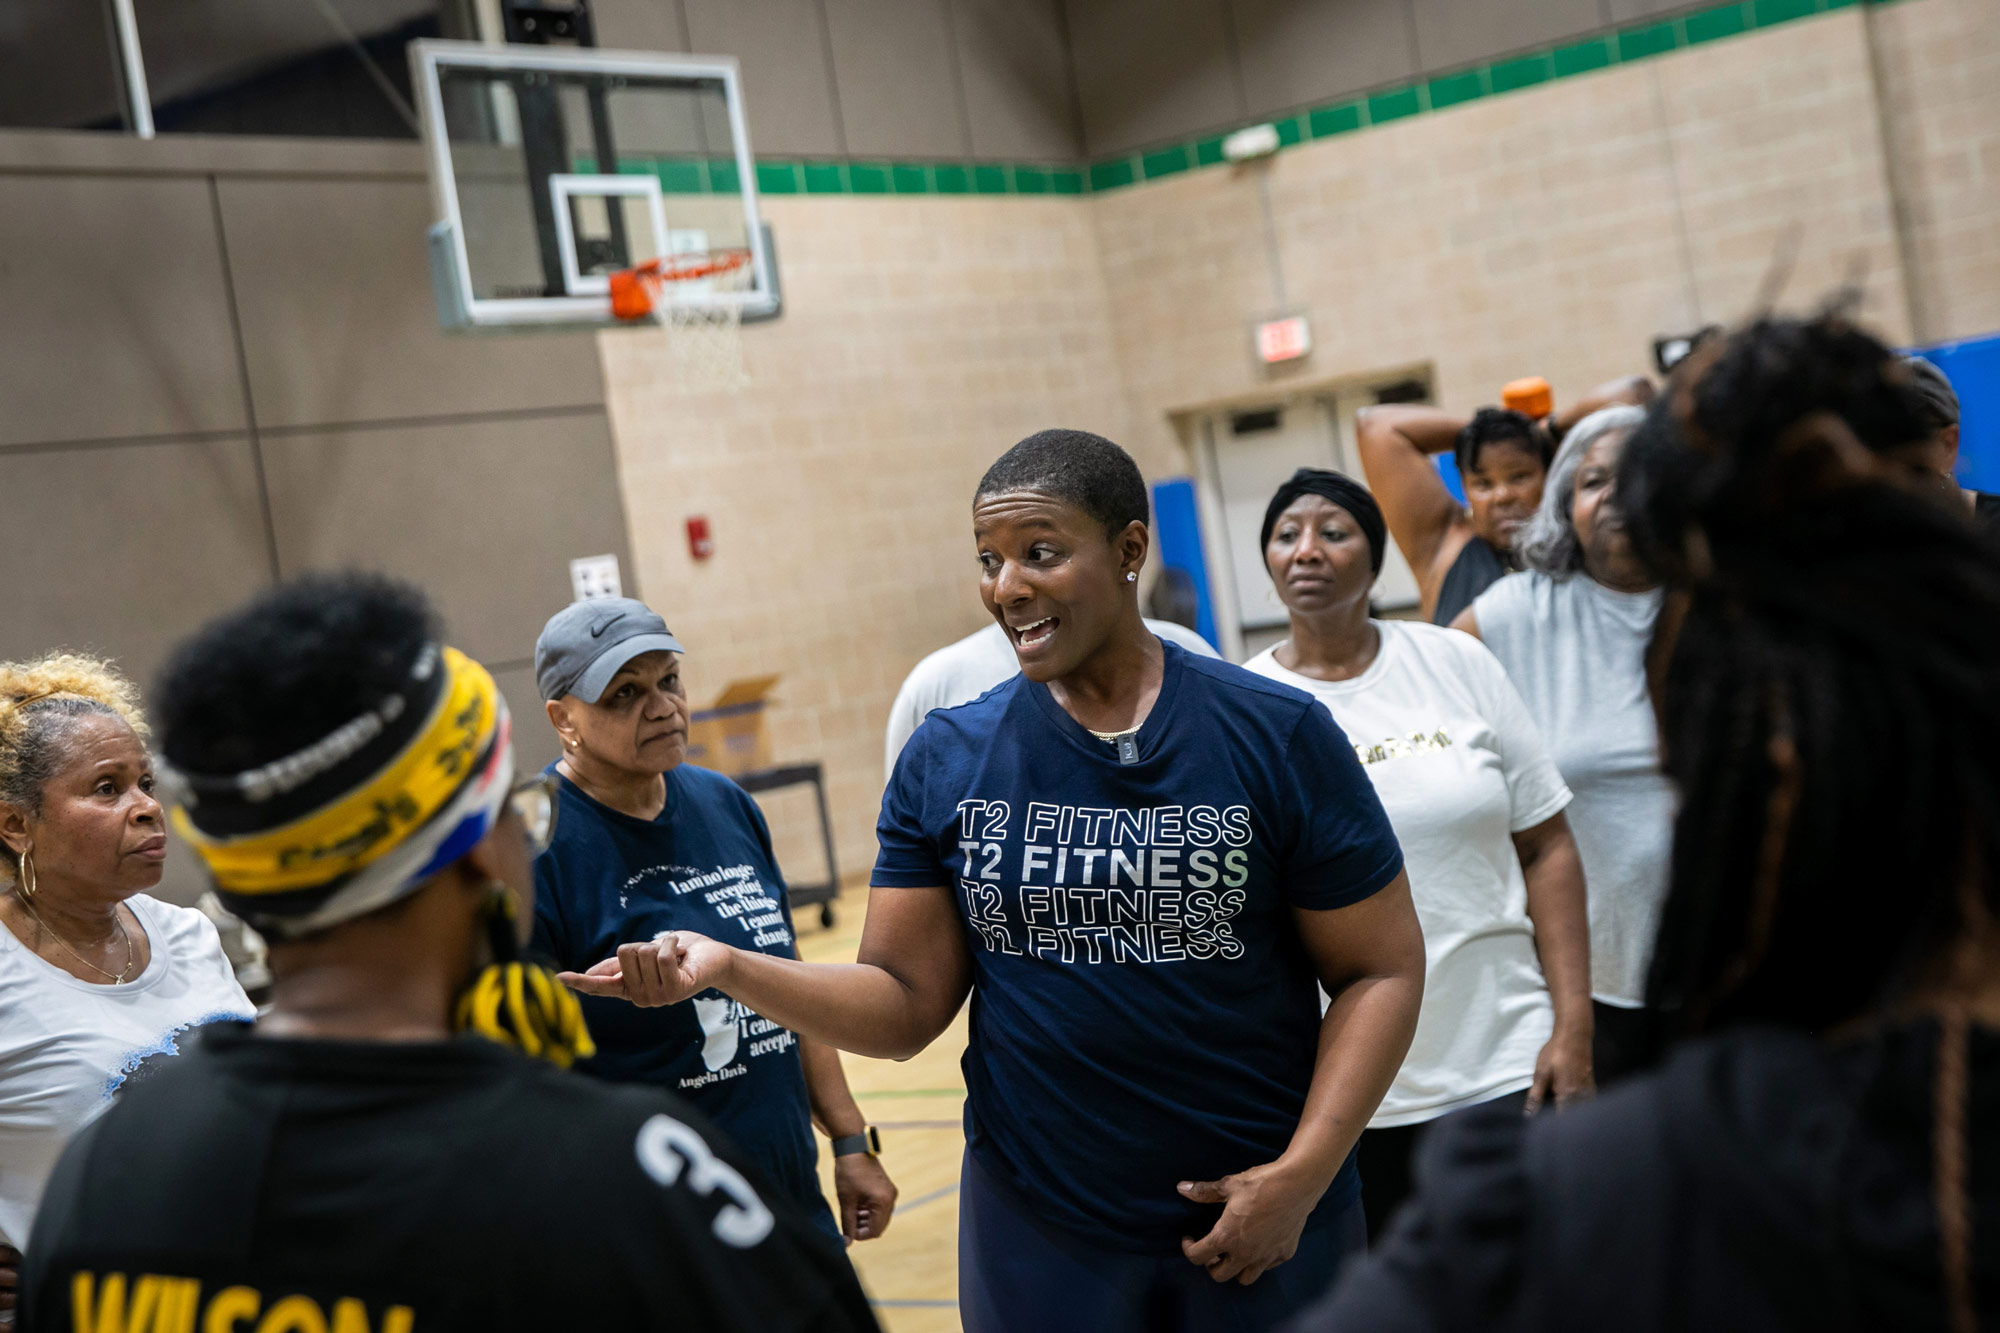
(703, 350)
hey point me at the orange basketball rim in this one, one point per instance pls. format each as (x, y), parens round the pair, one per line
(637, 291)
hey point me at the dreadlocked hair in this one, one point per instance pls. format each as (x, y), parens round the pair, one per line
(40, 701)
(1827, 675)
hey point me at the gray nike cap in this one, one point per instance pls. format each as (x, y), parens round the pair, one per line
(584, 644)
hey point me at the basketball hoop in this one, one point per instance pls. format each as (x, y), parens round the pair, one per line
(704, 340)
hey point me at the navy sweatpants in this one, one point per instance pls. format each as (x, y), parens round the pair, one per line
(1017, 1275)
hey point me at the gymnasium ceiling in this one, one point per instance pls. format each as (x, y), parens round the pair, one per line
(57, 53)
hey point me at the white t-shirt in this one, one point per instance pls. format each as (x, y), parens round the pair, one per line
(66, 1045)
(1576, 650)
(1460, 768)
(959, 673)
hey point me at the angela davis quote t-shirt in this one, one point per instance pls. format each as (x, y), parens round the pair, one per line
(703, 864)
(1143, 1011)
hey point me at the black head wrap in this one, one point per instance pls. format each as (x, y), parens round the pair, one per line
(1344, 491)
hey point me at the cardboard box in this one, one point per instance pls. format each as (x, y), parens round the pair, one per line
(729, 735)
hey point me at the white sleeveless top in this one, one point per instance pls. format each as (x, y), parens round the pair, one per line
(67, 1045)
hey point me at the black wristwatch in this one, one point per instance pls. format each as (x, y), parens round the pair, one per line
(868, 1140)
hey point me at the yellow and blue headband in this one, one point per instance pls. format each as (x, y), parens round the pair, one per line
(362, 816)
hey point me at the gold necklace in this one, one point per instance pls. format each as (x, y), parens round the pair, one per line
(130, 954)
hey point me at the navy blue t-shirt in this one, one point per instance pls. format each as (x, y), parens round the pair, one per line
(1143, 1011)
(704, 864)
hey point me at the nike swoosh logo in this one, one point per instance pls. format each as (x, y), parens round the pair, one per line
(597, 631)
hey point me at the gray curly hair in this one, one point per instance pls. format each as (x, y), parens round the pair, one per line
(1547, 541)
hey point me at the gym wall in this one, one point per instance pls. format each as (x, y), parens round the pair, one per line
(942, 79)
(224, 362)
(224, 366)
(920, 338)
(1553, 230)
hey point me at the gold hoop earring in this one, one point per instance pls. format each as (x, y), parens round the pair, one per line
(24, 879)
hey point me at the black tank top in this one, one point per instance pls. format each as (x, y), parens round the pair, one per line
(1986, 508)
(1477, 568)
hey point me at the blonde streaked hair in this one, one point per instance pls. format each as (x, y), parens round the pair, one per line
(40, 701)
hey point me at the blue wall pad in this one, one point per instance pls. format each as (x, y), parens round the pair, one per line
(1177, 520)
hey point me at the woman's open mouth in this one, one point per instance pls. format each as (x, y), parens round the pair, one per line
(1035, 633)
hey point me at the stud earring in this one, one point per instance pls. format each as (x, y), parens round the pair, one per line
(1131, 577)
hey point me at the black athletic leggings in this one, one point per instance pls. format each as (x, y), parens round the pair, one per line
(1627, 1041)
(1387, 1158)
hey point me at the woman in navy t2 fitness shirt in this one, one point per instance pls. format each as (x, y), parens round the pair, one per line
(1139, 863)
(646, 843)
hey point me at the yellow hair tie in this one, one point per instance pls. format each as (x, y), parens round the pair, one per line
(525, 1007)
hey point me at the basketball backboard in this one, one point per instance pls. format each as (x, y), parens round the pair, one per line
(555, 167)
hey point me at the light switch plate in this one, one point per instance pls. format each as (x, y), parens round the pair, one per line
(595, 576)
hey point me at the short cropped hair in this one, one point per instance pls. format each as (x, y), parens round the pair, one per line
(1078, 468)
(1499, 425)
(299, 661)
(1936, 401)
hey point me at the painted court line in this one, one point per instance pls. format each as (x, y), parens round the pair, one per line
(920, 1124)
(915, 1305)
(923, 1199)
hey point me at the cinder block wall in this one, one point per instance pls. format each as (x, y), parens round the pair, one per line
(920, 338)
(1554, 230)
(225, 366)
(1938, 69)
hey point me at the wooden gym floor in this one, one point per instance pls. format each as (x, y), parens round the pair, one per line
(911, 1271)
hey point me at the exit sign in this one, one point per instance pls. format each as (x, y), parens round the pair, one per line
(1281, 340)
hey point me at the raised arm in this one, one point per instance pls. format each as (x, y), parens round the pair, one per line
(1633, 390)
(1396, 441)
(911, 977)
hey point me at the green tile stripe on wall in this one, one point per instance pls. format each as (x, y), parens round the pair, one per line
(1326, 121)
(868, 177)
(780, 176)
(1636, 41)
(1452, 89)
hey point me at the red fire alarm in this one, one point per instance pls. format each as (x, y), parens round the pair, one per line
(700, 545)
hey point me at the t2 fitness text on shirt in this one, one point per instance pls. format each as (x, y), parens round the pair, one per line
(1096, 884)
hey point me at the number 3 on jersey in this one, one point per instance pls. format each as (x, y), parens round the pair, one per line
(667, 1148)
